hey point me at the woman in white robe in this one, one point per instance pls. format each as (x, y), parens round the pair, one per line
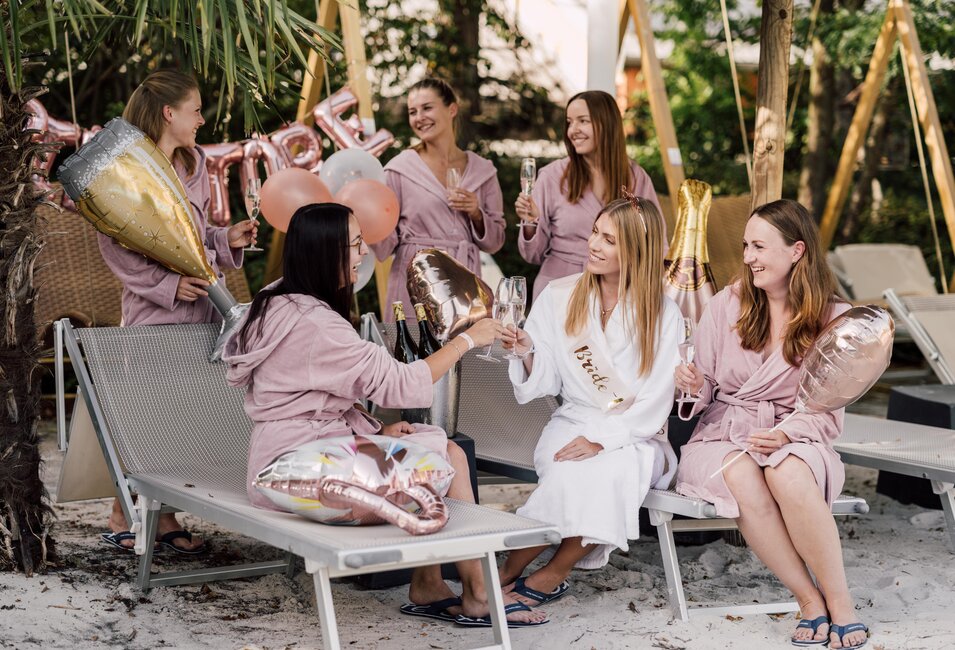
(605, 341)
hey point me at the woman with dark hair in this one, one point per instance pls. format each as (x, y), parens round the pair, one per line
(305, 367)
(462, 220)
(559, 213)
(749, 346)
(167, 107)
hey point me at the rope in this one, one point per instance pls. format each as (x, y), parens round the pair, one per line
(739, 101)
(328, 93)
(925, 182)
(813, 16)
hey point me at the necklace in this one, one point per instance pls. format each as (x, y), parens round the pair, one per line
(604, 312)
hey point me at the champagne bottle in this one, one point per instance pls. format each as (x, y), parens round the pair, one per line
(688, 279)
(427, 344)
(405, 349)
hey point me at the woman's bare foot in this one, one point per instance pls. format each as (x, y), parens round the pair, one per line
(167, 524)
(426, 589)
(477, 609)
(810, 611)
(542, 580)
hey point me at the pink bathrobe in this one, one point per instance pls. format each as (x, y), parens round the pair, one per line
(426, 221)
(149, 288)
(305, 373)
(743, 392)
(559, 243)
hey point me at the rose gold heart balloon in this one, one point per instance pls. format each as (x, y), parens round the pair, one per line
(453, 297)
(361, 480)
(846, 359)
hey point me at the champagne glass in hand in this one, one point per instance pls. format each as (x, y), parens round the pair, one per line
(252, 188)
(687, 352)
(528, 176)
(515, 316)
(502, 305)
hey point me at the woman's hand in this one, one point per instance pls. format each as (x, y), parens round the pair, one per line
(397, 429)
(190, 289)
(767, 441)
(527, 210)
(517, 341)
(688, 378)
(243, 234)
(485, 332)
(466, 202)
(578, 449)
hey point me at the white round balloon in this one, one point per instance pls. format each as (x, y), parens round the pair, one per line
(347, 165)
(365, 271)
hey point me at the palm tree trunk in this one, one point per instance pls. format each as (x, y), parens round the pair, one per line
(25, 515)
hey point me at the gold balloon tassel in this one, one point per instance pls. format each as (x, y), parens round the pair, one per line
(688, 279)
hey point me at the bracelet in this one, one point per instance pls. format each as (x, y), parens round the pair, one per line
(455, 346)
(470, 341)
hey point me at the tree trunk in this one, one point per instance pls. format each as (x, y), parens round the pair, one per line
(775, 37)
(462, 73)
(817, 163)
(25, 516)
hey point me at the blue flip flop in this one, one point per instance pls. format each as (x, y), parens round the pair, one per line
(485, 621)
(812, 625)
(116, 540)
(437, 609)
(521, 588)
(842, 630)
(166, 541)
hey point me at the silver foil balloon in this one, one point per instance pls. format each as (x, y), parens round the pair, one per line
(453, 297)
(845, 360)
(359, 481)
(128, 189)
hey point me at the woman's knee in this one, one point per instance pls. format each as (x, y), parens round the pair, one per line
(456, 454)
(747, 484)
(790, 479)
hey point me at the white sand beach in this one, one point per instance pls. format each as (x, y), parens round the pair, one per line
(899, 565)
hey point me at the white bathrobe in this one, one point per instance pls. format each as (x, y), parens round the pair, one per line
(597, 499)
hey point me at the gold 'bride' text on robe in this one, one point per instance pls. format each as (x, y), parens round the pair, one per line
(603, 379)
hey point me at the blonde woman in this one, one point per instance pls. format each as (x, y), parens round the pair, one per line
(605, 340)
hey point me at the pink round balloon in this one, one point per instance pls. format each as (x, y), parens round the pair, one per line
(375, 206)
(286, 191)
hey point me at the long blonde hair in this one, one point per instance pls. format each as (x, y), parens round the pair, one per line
(609, 146)
(640, 251)
(144, 108)
(812, 288)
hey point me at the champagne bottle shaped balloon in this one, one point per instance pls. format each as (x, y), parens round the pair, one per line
(405, 349)
(427, 344)
(688, 279)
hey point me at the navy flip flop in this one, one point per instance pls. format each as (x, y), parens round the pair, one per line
(437, 610)
(842, 630)
(521, 588)
(116, 540)
(485, 621)
(812, 625)
(166, 541)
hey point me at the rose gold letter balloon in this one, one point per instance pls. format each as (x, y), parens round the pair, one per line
(286, 191)
(453, 297)
(375, 206)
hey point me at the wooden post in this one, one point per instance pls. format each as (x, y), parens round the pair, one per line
(775, 37)
(874, 78)
(927, 110)
(659, 104)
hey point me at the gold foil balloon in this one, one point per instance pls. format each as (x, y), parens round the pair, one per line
(127, 188)
(688, 279)
(361, 480)
(453, 297)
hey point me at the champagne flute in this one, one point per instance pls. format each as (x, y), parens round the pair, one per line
(515, 315)
(453, 179)
(500, 311)
(687, 352)
(528, 176)
(252, 201)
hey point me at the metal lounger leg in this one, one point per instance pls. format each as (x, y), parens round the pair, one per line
(149, 522)
(495, 601)
(326, 608)
(671, 563)
(946, 492)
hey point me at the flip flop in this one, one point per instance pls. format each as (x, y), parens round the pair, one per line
(438, 609)
(521, 588)
(116, 540)
(485, 621)
(167, 542)
(812, 625)
(842, 630)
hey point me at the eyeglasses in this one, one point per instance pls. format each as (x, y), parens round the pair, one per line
(357, 245)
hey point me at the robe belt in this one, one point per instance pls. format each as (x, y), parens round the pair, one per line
(766, 410)
(464, 251)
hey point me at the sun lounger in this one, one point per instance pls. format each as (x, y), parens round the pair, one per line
(174, 432)
(904, 448)
(867, 270)
(505, 434)
(930, 320)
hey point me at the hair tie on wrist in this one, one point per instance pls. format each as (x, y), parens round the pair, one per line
(467, 338)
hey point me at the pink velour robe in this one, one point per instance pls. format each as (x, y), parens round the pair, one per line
(743, 392)
(304, 374)
(426, 221)
(149, 288)
(559, 243)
